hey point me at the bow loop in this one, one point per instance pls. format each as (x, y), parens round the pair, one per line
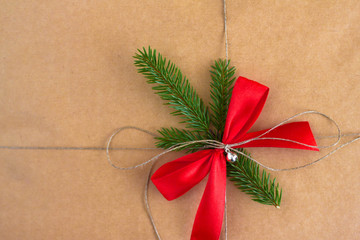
(175, 178)
(247, 101)
(294, 131)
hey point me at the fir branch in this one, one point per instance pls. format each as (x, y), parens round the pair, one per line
(172, 136)
(221, 89)
(245, 174)
(174, 88)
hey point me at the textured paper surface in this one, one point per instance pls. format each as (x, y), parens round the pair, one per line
(67, 79)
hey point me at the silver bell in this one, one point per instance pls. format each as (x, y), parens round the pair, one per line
(231, 157)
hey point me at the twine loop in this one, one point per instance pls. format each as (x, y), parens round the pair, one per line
(227, 148)
(210, 143)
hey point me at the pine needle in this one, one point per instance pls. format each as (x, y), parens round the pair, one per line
(245, 174)
(222, 76)
(173, 136)
(174, 88)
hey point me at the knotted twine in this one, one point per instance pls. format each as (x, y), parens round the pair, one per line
(229, 147)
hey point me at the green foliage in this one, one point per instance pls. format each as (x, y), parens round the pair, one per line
(222, 76)
(173, 136)
(174, 88)
(245, 174)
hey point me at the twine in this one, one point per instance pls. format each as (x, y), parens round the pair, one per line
(230, 147)
(211, 144)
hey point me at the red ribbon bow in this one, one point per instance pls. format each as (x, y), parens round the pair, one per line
(175, 178)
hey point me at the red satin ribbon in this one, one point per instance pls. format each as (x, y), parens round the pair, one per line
(175, 178)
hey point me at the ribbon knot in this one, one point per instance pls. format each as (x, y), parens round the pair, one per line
(175, 178)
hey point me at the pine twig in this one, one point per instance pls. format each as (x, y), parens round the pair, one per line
(222, 76)
(174, 88)
(245, 174)
(173, 136)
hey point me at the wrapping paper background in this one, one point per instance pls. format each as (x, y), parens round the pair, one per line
(67, 79)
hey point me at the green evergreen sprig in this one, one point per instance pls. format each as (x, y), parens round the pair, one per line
(245, 174)
(173, 136)
(175, 89)
(222, 76)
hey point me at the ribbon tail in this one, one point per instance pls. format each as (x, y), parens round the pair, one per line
(209, 216)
